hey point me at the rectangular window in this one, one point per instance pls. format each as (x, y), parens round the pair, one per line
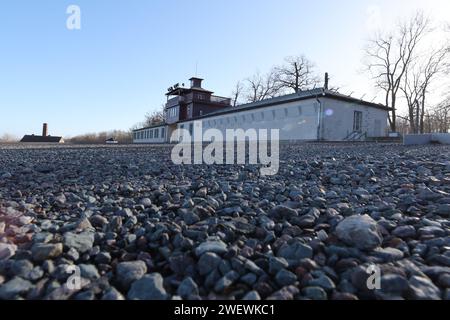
(191, 128)
(357, 121)
(151, 134)
(163, 132)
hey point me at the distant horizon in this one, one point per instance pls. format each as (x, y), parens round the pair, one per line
(117, 67)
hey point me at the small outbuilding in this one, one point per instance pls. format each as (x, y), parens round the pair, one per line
(112, 141)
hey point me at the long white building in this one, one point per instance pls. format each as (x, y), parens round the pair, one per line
(314, 115)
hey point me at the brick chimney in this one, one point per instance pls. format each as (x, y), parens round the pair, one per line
(44, 130)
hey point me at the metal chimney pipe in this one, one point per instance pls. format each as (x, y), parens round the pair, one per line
(326, 81)
(44, 130)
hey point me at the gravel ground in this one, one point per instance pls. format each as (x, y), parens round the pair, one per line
(135, 226)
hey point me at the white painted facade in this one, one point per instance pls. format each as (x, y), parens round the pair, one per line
(338, 120)
(157, 134)
(312, 118)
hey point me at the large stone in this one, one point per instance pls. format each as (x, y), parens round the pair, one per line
(82, 242)
(405, 232)
(43, 251)
(130, 271)
(421, 288)
(218, 247)
(226, 281)
(14, 288)
(285, 278)
(444, 210)
(187, 288)
(360, 232)
(7, 250)
(149, 287)
(295, 251)
(208, 262)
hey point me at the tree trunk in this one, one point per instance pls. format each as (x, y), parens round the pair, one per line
(393, 118)
(422, 112)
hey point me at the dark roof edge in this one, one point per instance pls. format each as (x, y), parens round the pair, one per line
(315, 93)
(151, 127)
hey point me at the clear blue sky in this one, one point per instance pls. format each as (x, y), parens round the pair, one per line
(118, 66)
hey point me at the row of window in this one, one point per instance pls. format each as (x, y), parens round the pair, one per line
(172, 112)
(257, 116)
(150, 134)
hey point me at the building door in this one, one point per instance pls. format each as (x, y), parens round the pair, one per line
(377, 128)
(357, 121)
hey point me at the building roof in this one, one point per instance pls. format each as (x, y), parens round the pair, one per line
(151, 127)
(302, 95)
(41, 139)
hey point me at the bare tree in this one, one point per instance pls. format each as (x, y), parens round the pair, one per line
(261, 87)
(419, 76)
(388, 58)
(297, 73)
(237, 92)
(8, 138)
(154, 118)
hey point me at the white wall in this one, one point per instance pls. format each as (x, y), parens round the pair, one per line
(295, 120)
(420, 139)
(144, 135)
(338, 119)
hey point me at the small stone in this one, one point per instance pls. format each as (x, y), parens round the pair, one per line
(285, 278)
(21, 268)
(7, 251)
(129, 272)
(103, 258)
(82, 242)
(394, 283)
(360, 232)
(149, 287)
(112, 294)
(146, 202)
(98, 221)
(252, 296)
(187, 288)
(314, 293)
(226, 281)
(73, 254)
(388, 254)
(276, 264)
(404, 232)
(43, 251)
(323, 282)
(322, 235)
(89, 271)
(208, 262)
(296, 251)
(444, 210)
